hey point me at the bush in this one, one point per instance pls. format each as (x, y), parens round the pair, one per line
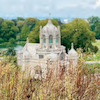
(10, 51)
(12, 40)
(95, 49)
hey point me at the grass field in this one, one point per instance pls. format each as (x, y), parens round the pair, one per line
(94, 57)
(97, 43)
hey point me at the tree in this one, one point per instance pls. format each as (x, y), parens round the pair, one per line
(67, 35)
(12, 40)
(34, 35)
(24, 32)
(94, 22)
(78, 32)
(20, 24)
(97, 30)
(15, 21)
(20, 19)
(10, 47)
(1, 21)
(1, 40)
(58, 20)
(31, 22)
(8, 30)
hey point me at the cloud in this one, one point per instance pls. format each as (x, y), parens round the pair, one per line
(97, 3)
(43, 7)
(94, 4)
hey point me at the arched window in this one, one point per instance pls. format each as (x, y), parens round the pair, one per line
(57, 39)
(50, 39)
(44, 39)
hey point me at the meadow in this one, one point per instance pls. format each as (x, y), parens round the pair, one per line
(93, 56)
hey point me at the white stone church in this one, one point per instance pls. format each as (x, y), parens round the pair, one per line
(37, 59)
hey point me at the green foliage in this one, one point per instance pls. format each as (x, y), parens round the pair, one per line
(24, 33)
(58, 20)
(13, 60)
(78, 32)
(94, 22)
(97, 30)
(12, 40)
(95, 49)
(93, 68)
(1, 40)
(66, 35)
(34, 35)
(20, 19)
(3, 45)
(1, 20)
(15, 21)
(31, 22)
(10, 51)
(20, 24)
(8, 30)
(10, 47)
(95, 54)
(93, 19)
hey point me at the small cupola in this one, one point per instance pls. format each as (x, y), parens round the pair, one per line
(72, 52)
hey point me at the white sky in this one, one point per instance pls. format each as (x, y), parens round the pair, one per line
(57, 8)
(97, 3)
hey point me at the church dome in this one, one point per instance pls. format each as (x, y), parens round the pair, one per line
(50, 28)
(72, 52)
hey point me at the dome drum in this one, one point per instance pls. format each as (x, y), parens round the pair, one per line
(50, 36)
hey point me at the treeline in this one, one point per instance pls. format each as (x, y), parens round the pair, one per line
(17, 29)
(78, 31)
(94, 22)
(81, 32)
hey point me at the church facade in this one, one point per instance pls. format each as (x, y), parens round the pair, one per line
(37, 59)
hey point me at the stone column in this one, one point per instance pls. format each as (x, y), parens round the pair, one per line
(54, 42)
(47, 43)
(59, 42)
(41, 42)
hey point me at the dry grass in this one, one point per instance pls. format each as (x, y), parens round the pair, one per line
(76, 84)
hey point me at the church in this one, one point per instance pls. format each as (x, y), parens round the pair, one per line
(37, 59)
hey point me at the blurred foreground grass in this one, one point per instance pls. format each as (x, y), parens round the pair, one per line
(79, 83)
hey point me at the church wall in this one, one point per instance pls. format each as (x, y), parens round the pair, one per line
(29, 67)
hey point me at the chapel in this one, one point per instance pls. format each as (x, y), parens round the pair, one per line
(37, 59)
